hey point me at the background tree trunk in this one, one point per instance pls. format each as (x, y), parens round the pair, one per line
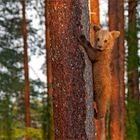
(48, 127)
(117, 105)
(133, 58)
(71, 70)
(94, 18)
(26, 71)
(100, 129)
(122, 70)
(133, 100)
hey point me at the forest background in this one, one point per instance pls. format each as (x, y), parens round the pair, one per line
(26, 99)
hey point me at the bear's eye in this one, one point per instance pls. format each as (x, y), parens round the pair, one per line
(105, 41)
(98, 39)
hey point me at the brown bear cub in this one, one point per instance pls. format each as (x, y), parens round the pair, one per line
(100, 56)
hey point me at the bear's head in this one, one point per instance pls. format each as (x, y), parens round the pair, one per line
(104, 39)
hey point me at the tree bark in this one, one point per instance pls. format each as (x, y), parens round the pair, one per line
(49, 128)
(122, 70)
(26, 69)
(133, 100)
(133, 58)
(94, 18)
(100, 129)
(117, 105)
(71, 70)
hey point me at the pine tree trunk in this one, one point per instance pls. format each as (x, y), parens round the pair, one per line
(94, 17)
(133, 58)
(133, 100)
(71, 71)
(122, 71)
(117, 105)
(49, 125)
(100, 129)
(26, 71)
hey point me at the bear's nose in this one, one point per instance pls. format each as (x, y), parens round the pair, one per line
(100, 46)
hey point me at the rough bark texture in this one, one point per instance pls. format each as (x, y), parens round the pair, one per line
(117, 98)
(71, 70)
(26, 71)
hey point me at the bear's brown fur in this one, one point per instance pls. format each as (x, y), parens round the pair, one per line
(100, 55)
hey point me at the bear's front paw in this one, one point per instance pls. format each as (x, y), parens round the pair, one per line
(82, 39)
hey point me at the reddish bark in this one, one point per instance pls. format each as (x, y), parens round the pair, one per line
(117, 105)
(49, 134)
(100, 129)
(94, 17)
(48, 51)
(68, 67)
(26, 70)
(122, 70)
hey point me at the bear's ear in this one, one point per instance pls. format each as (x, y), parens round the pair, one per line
(96, 27)
(115, 34)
